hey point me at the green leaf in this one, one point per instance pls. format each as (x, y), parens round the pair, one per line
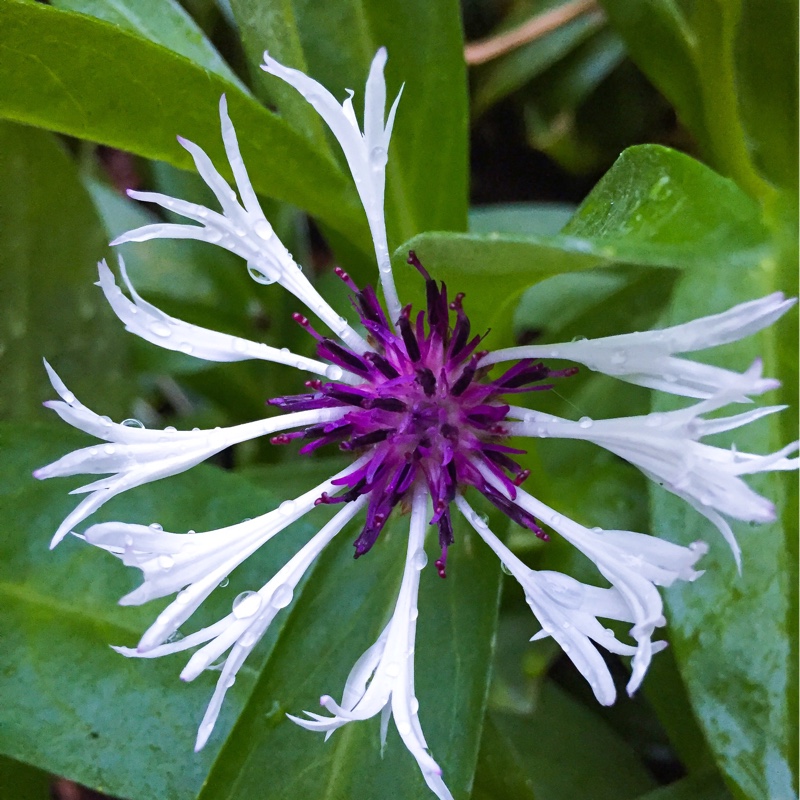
(524, 219)
(735, 636)
(51, 240)
(699, 54)
(426, 183)
(125, 727)
(655, 207)
(144, 95)
(563, 748)
(332, 626)
(23, 782)
(703, 786)
(164, 22)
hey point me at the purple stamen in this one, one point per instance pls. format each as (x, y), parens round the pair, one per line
(423, 412)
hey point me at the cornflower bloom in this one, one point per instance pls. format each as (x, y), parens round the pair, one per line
(411, 397)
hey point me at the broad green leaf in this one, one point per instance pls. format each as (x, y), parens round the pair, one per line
(650, 209)
(658, 207)
(426, 184)
(124, 726)
(564, 748)
(144, 95)
(164, 22)
(340, 616)
(735, 636)
(51, 240)
(700, 54)
(524, 219)
(500, 774)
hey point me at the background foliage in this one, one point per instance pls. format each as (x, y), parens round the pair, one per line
(698, 215)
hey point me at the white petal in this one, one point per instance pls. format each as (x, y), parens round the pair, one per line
(366, 155)
(647, 358)
(153, 325)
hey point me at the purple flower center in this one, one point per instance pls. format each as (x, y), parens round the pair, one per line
(424, 411)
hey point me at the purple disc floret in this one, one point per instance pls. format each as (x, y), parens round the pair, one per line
(424, 411)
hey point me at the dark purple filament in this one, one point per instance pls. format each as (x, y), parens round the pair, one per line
(423, 412)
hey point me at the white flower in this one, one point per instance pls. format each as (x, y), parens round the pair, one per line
(665, 446)
(648, 359)
(424, 423)
(382, 680)
(366, 153)
(136, 455)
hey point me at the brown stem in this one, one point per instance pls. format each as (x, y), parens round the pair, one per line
(487, 49)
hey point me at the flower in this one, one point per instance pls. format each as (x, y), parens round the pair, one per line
(410, 396)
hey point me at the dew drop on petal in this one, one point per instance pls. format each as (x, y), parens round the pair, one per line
(246, 604)
(160, 329)
(392, 669)
(403, 728)
(212, 235)
(166, 562)
(413, 614)
(282, 596)
(619, 357)
(156, 526)
(654, 420)
(420, 559)
(334, 372)
(263, 229)
(504, 567)
(175, 637)
(414, 705)
(223, 583)
(183, 597)
(585, 422)
(132, 423)
(109, 449)
(248, 640)
(170, 429)
(286, 507)
(230, 681)
(186, 348)
(105, 420)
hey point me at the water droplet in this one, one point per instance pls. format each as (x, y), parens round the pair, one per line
(239, 345)
(282, 596)
(68, 397)
(413, 614)
(420, 559)
(223, 583)
(403, 728)
(564, 590)
(109, 449)
(579, 339)
(246, 604)
(176, 636)
(333, 372)
(414, 705)
(156, 527)
(263, 229)
(482, 520)
(255, 272)
(566, 647)
(185, 347)
(170, 429)
(505, 568)
(248, 640)
(392, 669)
(106, 420)
(378, 156)
(213, 235)
(132, 423)
(166, 562)
(619, 357)
(160, 329)
(670, 378)
(586, 422)
(654, 420)
(598, 531)
(555, 519)
(609, 632)
(230, 681)
(286, 507)
(183, 597)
